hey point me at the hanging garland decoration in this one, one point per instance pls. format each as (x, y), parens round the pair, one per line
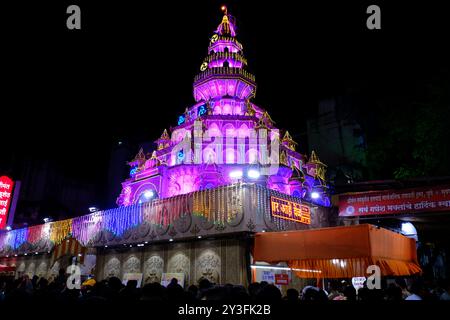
(36, 233)
(85, 228)
(59, 230)
(121, 219)
(19, 238)
(14, 238)
(196, 203)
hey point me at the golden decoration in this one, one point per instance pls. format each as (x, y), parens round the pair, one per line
(214, 38)
(59, 230)
(204, 66)
(288, 141)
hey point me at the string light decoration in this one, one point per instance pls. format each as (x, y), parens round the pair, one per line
(36, 233)
(119, 220)
(13, 239)
(60, 230)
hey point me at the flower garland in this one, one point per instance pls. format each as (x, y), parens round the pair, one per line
(59, 230)
(84, 228)
(14, 238)
(35, 233)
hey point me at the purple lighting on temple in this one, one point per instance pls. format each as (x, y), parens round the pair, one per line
(223, 138)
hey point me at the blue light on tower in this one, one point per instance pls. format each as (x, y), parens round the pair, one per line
(133, 171)
(180, 156)
(201, 110)
(181, 119)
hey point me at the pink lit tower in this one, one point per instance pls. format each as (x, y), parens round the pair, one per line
(224, 138)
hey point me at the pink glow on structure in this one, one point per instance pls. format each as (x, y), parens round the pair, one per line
(209, 156)
(243, 131)
(252, 156)
(230, 156)
(214, 131)
(226, 109)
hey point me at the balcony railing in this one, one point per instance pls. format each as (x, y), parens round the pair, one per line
(224, 71)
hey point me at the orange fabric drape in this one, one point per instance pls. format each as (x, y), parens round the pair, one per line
(69, 247)
(339, 252)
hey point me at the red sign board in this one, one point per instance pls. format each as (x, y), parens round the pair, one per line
(6, 195)
(289, 210)
(281, 279)
(395, 201)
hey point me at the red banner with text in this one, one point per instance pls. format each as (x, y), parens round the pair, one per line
(6, 195)
(395, 201)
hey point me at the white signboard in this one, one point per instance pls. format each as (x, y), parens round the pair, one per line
(132, 276)
(268, 276)
(358, 282)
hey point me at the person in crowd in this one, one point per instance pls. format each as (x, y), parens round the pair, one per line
(334, 290)
(192, 293)
(445, 296)
(401, 283)
(417, 291)
(269, 293)
(130, 293)
(152, 292)
(292, 295)
(350, 293)
(394, 293)
(253, 290)
(204, 285)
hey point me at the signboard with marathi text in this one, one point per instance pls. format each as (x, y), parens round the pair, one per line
(290, 210)
(6, 195)
(282, 279)
(395, 201)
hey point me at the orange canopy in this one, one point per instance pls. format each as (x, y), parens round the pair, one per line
(339, 252)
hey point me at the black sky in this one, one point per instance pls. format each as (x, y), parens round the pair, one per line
(69, 95)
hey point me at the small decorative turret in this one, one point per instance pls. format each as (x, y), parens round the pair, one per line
(138, 162)
(226, 27)
(297, 175)
(250, 110)
(164, 141)
(154, 161)
(315, 168)
(288, 141)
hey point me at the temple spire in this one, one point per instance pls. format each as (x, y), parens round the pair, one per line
(225, 10)
(227, 26)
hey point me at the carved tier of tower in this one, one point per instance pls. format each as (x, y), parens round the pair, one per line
(224, 138)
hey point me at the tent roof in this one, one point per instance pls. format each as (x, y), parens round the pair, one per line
(339, 252)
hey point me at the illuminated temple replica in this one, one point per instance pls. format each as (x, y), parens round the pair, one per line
(191, 205)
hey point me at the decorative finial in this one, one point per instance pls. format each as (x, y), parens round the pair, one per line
(224, 9)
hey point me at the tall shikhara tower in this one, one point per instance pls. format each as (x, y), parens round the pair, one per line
(224, 138)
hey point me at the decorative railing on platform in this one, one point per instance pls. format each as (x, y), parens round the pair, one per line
(224, 71)
(221, 206)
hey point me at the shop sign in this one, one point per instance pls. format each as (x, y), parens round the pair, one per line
(282, 279)
(290, 210)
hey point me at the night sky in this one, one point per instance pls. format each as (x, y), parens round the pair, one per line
(70, 95)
